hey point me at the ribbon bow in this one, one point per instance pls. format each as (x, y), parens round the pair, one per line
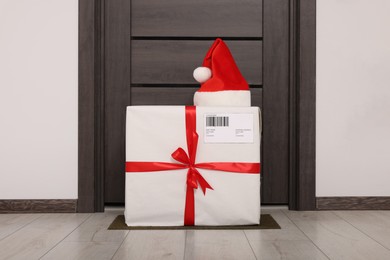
(193, 175)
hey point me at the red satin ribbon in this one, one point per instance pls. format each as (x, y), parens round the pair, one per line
(188, 161)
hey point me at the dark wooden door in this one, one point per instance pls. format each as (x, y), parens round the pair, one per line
(151, 48)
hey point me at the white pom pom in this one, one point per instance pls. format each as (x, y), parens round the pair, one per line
(202, 74)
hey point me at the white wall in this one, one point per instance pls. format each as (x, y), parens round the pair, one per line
(38, 99)
(353, 98)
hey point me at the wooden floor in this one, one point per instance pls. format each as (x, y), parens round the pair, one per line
(304, 235)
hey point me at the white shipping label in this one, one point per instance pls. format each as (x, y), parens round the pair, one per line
(228, 128)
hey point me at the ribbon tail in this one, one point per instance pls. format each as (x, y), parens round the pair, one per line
(204, 185)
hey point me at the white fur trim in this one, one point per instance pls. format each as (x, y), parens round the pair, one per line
(228, 98)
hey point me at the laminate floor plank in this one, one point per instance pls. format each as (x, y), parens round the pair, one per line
(37, 238)
(91, 240)
(288, 231)
(10, 223)
(152, 244)
(82, 251)
(217, 244)
(94, 229)
(287, 249)
(337, 238)
(285, 243)
(375, 224)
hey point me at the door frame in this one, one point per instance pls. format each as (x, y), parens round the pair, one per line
(302, 100)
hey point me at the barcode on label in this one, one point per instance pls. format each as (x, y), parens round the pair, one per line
(217, 121)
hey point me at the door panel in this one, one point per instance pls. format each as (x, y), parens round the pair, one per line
(175, 95)
(275, 102)
(206, 18)
(173, 61)
(117, 46)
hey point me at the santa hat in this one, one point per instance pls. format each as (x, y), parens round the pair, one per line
(222, 82)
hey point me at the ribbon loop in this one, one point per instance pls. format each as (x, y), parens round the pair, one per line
(181, 156)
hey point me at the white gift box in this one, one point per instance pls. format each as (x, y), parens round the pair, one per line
(226, 134)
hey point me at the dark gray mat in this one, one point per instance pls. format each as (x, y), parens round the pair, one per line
(267, 222)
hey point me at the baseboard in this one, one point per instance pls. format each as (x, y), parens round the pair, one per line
(353, 203)
(38, 206)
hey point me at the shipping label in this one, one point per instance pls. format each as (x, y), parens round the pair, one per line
(228, 128)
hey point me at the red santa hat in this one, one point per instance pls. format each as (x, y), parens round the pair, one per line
(222, 82)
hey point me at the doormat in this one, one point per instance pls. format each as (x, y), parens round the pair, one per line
(267, 222)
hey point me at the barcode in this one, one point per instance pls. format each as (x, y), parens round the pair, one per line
(217, 121)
